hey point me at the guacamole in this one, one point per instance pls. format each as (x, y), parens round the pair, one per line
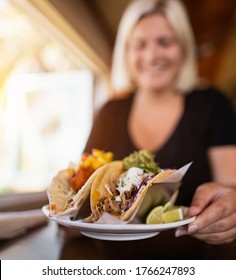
(142, 159)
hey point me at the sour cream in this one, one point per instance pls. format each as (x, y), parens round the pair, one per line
(133, 177)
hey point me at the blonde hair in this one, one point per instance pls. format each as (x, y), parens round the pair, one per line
(175, 13)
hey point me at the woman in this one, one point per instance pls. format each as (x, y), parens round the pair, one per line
(161, 108)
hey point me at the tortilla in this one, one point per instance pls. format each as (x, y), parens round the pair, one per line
(109, 176)
(62, 198)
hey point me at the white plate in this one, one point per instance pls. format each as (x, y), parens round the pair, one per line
(118, 232)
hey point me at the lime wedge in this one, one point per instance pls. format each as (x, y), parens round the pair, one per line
(155, 216)
(173, 215)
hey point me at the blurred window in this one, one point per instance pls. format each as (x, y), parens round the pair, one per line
(46, 104)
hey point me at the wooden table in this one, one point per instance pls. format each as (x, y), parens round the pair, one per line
(50, 242)
(40, 243)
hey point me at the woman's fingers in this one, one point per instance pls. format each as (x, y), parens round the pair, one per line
(215, 208)
(211, 203)
(222, 225)
(223, 231)
(217, 238)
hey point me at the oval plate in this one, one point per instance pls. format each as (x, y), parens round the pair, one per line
(115, 231)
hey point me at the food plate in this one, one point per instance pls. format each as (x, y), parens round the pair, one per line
(115, 232)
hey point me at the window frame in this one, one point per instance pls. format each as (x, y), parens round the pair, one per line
(45, 15)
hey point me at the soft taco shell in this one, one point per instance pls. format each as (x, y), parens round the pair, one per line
(62, 199)
(159, 177)
(59, 192)
(84, 192)
(109, 175)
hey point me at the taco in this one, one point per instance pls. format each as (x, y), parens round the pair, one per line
(121, 185)
(70, 187)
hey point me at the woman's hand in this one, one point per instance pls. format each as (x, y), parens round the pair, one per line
(215, 208)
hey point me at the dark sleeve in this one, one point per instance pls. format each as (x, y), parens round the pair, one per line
(222, 122)
(102, 130)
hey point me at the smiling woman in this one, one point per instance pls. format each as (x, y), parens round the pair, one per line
(162, 108)
(154, 55)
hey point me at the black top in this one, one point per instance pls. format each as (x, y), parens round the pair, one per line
(208, 120)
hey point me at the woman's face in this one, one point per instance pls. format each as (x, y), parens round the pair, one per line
(154, 54)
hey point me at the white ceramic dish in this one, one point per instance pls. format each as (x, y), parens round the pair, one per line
(115, 232)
